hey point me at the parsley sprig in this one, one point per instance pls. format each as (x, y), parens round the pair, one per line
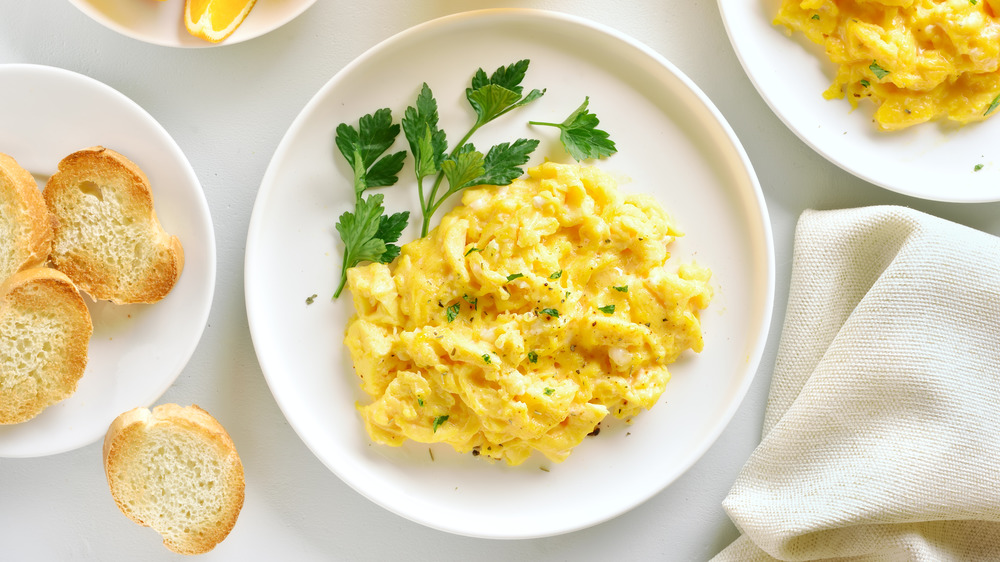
(580, 136)
(490, 97)
(368, 233)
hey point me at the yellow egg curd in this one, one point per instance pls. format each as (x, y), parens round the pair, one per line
(917, 60)
(532, 312)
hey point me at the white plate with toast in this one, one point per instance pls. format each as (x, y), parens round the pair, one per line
(137, 350)
(672, 143)
(162, 23)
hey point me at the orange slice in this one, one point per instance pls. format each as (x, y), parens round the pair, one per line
(214, 20)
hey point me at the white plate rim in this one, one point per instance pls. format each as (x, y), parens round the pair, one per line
(242, 33)
(925, 161)
(267, 183)
(207, 267)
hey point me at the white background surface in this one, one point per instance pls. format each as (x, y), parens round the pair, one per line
(227, 108)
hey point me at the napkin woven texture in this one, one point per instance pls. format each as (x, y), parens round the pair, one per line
(881, 437)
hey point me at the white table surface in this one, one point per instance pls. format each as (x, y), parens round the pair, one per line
(228, 108)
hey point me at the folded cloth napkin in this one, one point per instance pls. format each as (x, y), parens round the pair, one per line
(881, 437)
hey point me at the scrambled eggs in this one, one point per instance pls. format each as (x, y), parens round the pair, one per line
(532, 312)
(917, 60)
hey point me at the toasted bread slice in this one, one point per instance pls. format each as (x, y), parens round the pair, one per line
(175, 469)
(25, 228)
(107, 237)
(45, 331)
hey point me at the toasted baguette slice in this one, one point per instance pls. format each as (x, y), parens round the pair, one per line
(25, 228)
(176, 470)
(107, 237)
(45, 331)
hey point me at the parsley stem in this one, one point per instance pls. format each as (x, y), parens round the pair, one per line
(430, 207)
(543, 123)
(343, 277)
(420, 191)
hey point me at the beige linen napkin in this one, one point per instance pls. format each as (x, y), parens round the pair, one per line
(881, 438)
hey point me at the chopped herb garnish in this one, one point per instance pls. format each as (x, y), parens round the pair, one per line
(420, 401)
(609, 309)
(865, 83)
(438, 421)
(978, 167)
(993, 105)
(473, 250)
(548, 391)
(514, 276)
(452, 312)
(815, 16)
(551, 312)
(622, 289)
(310, 299)
(556, 275)
(973, 2)
(486, 357)
(532, 357)
(472, 301)
(879, 72)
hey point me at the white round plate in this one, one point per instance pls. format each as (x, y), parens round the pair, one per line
(136, 351)
(162, 23)
(672, 143)
(935, 161)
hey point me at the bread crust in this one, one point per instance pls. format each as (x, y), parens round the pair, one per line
(123, 451)
(107, 237)
(42, 365)
(25, 226)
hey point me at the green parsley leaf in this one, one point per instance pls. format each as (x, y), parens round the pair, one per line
(486, 357)
(503, 160)
(471, 301)
(360, 232)
(879, 72)
(556, 275)
(865, 83)
(580, 136)
(548, 391)
(815, 16)
(452, 312)
(311, 299)
(363, 146)
(977, 168)
(532, 357)
(463, 168)
(551, 312)
(609, 309)
(514, 276)
(468, 167)
(437, 422)
(428, 143)
(501, 92)
(973, 2)
(622, 289)
(390, 228)
(473, 250)
(993, 105)
(420, 401)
